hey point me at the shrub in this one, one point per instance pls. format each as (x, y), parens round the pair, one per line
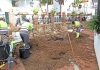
(35, 10)
(53, 11)
(94, 24)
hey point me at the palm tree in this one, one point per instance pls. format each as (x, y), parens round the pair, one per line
(44, 2)
(77, 3)
(60, 3)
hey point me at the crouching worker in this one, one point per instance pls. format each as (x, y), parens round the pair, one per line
(77, 25)
(26, 26)
(3, 27)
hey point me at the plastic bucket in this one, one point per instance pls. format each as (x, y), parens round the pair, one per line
(24, 52)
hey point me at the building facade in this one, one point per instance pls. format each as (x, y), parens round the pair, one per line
(24, 5)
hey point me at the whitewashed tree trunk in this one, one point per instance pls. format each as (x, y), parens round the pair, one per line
(97, 47)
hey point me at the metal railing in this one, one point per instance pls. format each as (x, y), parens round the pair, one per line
(46, 20)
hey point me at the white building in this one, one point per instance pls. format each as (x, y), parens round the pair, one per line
(24, 5)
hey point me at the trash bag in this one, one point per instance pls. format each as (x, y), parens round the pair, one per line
(4, 51)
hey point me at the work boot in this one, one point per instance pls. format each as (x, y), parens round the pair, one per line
(77, 35)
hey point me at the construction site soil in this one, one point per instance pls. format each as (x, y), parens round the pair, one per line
(58, 51)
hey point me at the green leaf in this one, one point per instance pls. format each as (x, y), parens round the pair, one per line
(73, 13)
(45, 1)
(53, 11)
(35, 10)
(93, 24)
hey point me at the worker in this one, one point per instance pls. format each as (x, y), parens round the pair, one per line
(77, 25)
(18, 21)
(3, 27)
(26, 26)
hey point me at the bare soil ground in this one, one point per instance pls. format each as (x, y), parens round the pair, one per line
(57, 52)
(54, 53)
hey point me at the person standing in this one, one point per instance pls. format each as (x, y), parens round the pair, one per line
(26, 26)
(18, 21)
(77, 25)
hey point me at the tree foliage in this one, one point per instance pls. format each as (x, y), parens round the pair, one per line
(60, 1)
(76, 3)
(35, 10)
(93, 24)
(45, 1)
(73, 13)
(53, 11)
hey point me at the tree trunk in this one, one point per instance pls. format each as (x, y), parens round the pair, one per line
(73, 19)
(80, 18)
(40, 6)
(35, 19)
(64, 17)
(52, 18)
(60, 11)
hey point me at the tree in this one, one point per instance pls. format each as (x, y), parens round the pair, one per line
(60, 3)
(44, 2)
(77, 3)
